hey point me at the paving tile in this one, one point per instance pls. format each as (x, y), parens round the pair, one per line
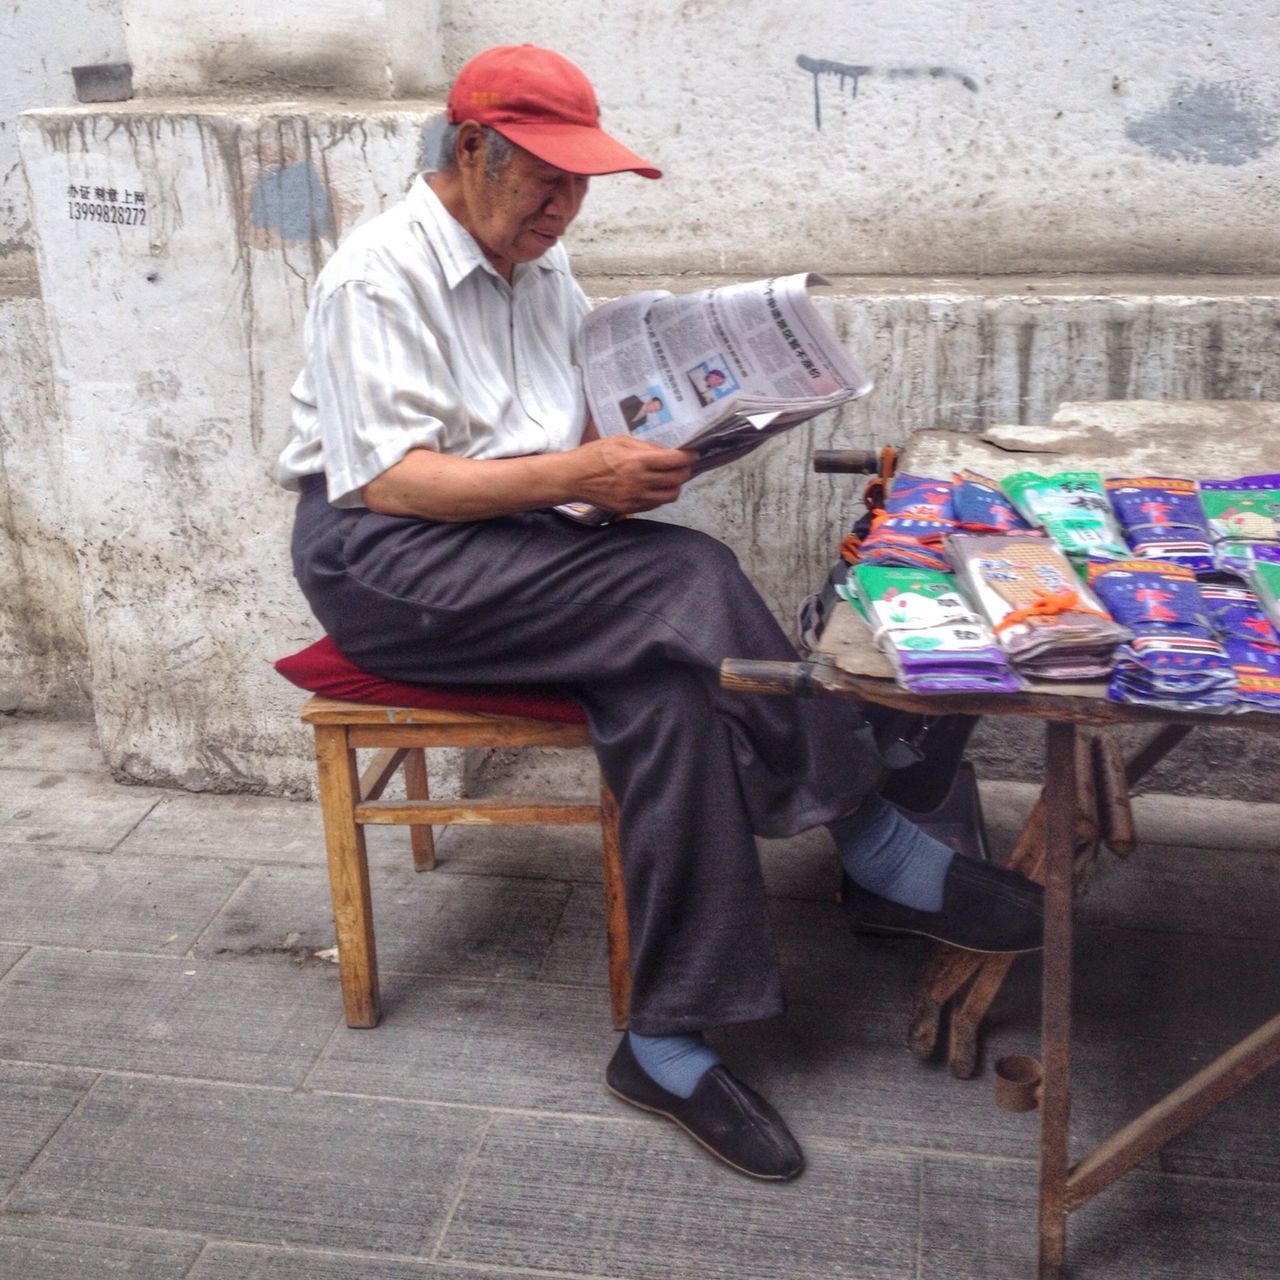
(1239, 1139)
(253, 1262)
(257, 829)
(499, 1045)
(256, 1165)
(426, 923)
(9, 956)
(980, 1224)
(847, 1075)
(34, 1101)
(803, 866)
(44, 1248)
(578, 953)
(261, 830)
(253, 1021)
(59, 746)
(110, 902)
(1214, 893)
(1170, 986)
(641, 1201)
(41, 810)
(535, 853)
(822, 962)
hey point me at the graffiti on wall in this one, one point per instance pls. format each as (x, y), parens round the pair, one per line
(848, 75)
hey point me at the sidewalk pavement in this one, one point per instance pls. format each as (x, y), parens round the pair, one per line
(180, 1097)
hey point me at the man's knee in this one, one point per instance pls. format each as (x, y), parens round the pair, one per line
(689, 555)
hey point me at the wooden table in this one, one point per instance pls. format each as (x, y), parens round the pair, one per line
(1132, 439)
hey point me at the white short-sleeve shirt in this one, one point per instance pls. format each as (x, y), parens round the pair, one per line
(414, 339)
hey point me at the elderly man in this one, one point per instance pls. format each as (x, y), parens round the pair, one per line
(438, 419)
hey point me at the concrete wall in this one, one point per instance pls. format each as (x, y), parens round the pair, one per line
(378, 48)
(916, 137)
(921, 154)
(176, 329)
(43, 657)
(40, 41)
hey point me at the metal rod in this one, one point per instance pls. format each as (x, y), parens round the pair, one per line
(749, 675)
(860, 462)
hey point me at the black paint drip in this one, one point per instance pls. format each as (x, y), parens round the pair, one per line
(854, 72)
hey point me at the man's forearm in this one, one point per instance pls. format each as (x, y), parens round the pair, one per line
(439, 486)
(618, 473)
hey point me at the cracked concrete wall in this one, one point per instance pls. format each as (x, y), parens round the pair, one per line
(179, 237)
(40, 41)
(43, 658)
(44, 663)
(913, 137)
(176, 314)
(376, 48)
(176, 330)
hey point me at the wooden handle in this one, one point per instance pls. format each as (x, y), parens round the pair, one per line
(860, 462)
(747, 675)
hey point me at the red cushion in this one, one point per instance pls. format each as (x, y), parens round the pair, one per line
(321, 668)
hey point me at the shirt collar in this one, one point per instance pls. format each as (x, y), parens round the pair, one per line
(461, 255)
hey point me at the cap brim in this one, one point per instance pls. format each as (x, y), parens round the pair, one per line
(577, 148)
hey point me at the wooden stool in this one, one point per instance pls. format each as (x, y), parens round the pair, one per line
(351, 799)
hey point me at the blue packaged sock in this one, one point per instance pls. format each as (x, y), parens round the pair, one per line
(889, 855)
(676, 1063)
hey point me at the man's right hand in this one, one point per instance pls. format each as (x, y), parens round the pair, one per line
(625, 475)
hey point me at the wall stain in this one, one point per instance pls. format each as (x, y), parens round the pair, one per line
(1205, 122)
(429, 156)
(853, 72)
(293, 201)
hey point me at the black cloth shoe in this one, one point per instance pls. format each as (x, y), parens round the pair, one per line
(984, 908)
(733, 1122)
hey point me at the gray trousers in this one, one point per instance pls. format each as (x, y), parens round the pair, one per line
(632, 620)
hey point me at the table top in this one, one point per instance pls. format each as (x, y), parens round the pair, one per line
(1194, 439)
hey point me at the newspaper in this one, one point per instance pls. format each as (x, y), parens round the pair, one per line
(719, 371)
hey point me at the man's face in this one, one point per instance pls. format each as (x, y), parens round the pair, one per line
(520, 214)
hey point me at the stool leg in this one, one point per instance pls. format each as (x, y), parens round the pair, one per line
(416, 787)
(348, 875)
(615, 910)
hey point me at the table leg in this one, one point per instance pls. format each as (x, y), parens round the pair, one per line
(1055, 1105)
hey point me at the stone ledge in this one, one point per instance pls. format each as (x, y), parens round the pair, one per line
(1027, 287)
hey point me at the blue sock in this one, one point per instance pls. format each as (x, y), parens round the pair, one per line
(677, 1063)
(888, 855)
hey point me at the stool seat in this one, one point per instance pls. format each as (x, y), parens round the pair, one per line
(352, 799)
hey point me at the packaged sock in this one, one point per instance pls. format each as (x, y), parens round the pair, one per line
(929, 631)
(1241, 514)
(918, 513)
(982, 507)
(1250, 640)
(1264, 578)
(1162, 520)
(1072, 508)
(1046, 620)
(1173, 659)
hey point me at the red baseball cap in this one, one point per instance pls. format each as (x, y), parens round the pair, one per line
(543, 103)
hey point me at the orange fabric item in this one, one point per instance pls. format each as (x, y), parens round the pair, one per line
(1048, 604)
